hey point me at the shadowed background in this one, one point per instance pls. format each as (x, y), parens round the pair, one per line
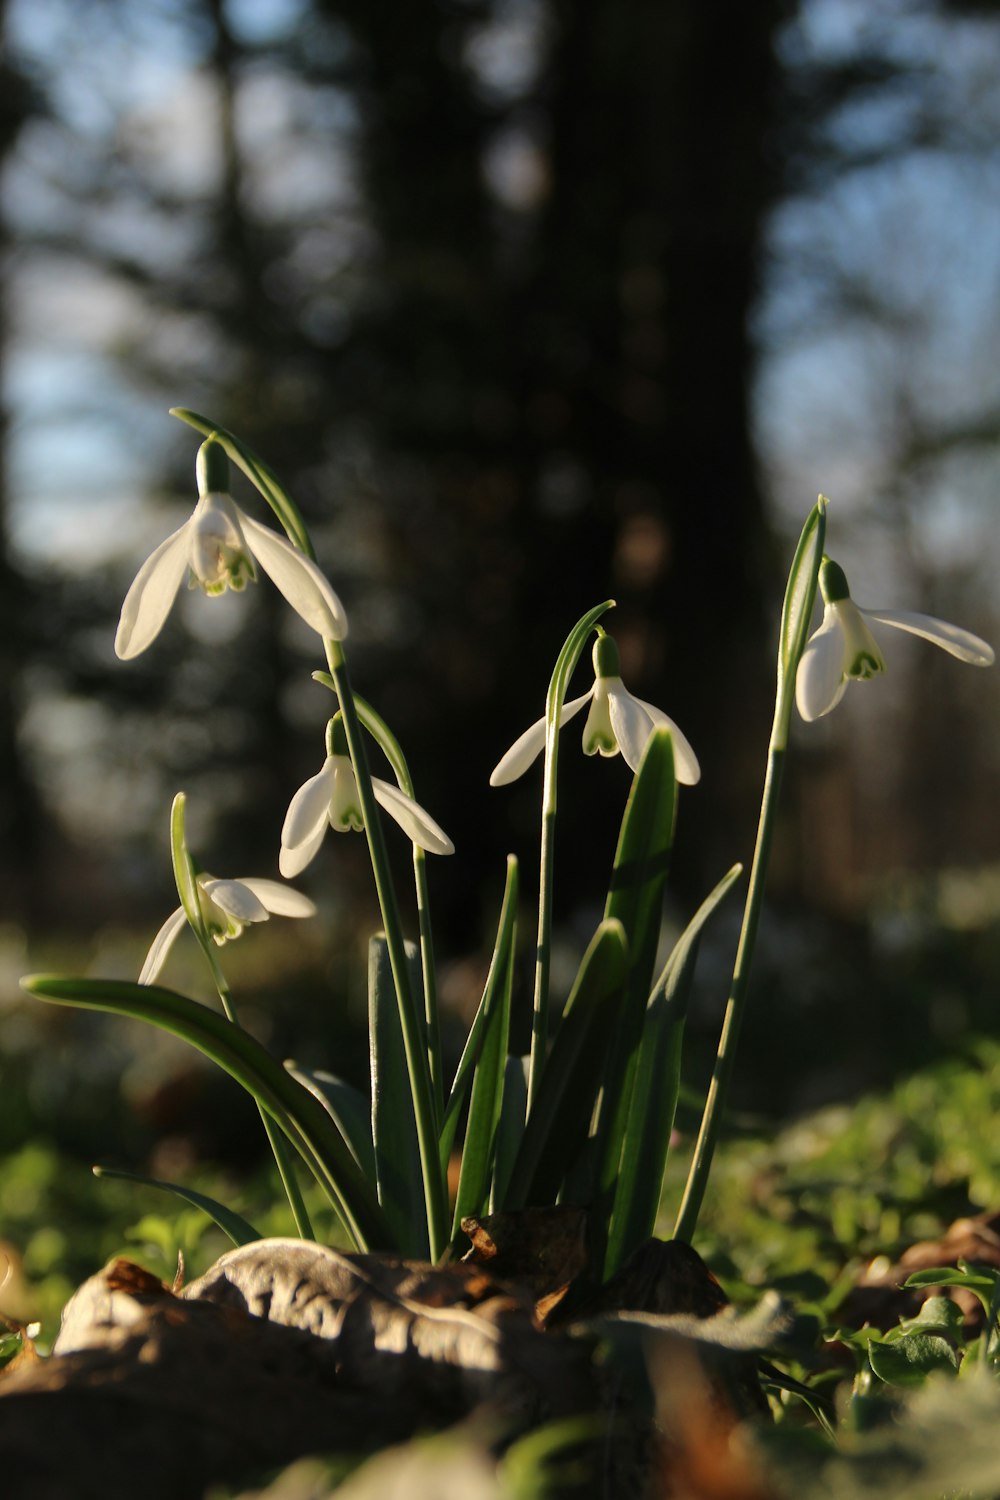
(529, 304)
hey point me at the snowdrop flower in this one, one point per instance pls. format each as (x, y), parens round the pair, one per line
(219, 547)
(227, 906)
(330, 799)
(616, 721)
(845, 647)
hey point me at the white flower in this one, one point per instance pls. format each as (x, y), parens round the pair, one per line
(218, 547)
(845, 648)
(616, 721)
(227, 906)
(331, 799)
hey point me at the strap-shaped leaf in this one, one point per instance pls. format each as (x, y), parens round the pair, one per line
(394, 1125)
(238, 1229)
(300, 1116)
(499, 965)
(510, 1127)
(347, 1107)
(656, 1084)
(635, 898)
(560, 1116)
(485, 1102)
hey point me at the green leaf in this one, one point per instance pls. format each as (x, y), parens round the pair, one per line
(635, 898)
(185, 876)
(558, 1124)
(642, 1150)
(510, 1128)
(909, 1360)
(487, 1085)
(800, 592)
(394, 1125)
(347, 1107)
(495, 978)
(300, 1116)
(234, 1225)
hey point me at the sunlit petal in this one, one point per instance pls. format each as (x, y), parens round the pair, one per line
(161, 945)
(292, 861)
(308, 809)
(820, 681)
(631, 723)
(298, 578)
(153, 591)
(951, 638)
(686, 766)
(236, 899)
(411, 817)
(280, 899)
(528, 746)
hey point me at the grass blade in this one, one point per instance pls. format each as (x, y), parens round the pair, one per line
(233, 1224)
(560, 1116)
(300, 1116)
(394, 1123)
(656, 1084)
(489, 1075)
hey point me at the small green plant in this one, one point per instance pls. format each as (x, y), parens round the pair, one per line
(587, 1116)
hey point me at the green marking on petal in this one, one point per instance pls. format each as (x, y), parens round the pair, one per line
(865, 666)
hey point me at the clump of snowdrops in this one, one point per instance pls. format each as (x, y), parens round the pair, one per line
(586, 1117)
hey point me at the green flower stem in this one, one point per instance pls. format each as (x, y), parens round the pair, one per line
(413, 1028)
(718, 1089)
(554, 700)
(800, 595)
(276, 1140)
(543, 946)
(431, 1022)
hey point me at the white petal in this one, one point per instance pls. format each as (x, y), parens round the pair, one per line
(308, 809)
(235, 899)
(298, 578)
(820, 681)
(161, 945)
(153, 591)
(410, 816)
(292, 861)
(279, 899)
(528, 746)
(686, 765)
(630, 721)
(951, 638)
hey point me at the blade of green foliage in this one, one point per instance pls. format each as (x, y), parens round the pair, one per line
(347, 1107)
(510, 1127)
(800, 594)
(394, 1124)
(300, 1116)
(638, 1177)
(635, 898)
(499, 963)
(486, 1099)
(233, 1224)
(560, 1117)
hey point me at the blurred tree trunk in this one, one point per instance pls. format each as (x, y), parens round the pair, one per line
(21, 830)
(574, 380)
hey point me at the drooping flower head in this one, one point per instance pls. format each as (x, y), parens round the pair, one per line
(227, 907)
(330, 799)
(845, 648)
(617, 721)
(219, 547)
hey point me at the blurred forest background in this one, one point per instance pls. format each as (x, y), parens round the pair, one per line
(530, 303)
